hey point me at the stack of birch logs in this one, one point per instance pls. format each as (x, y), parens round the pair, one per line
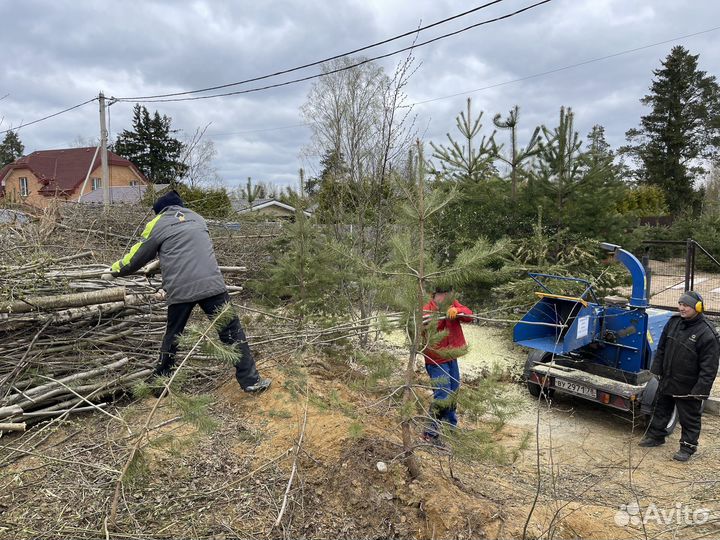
(70, 341)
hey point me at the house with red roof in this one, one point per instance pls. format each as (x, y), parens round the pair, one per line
(40, 177)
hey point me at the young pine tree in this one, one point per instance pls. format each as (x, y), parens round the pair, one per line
(306, 276)
(517, 155)
(411, 266)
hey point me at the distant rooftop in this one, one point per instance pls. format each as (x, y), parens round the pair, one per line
(122, 194)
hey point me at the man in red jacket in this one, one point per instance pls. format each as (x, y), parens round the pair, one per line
(441, 359)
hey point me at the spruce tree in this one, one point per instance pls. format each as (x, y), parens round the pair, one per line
(11, 148)
(333, 169)
(681, 129)
(152, 147)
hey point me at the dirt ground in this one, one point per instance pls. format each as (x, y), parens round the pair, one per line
(591, 466)
(230, 481)
(597, 465)
(490, 351)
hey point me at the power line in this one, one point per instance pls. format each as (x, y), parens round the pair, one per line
(318, 62)
(345, 68)
(525, 78)
(246, 131)
(570, 66)
(535, 75)
(49, 116)
(496, 19)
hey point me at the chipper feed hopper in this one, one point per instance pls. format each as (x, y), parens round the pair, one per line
(601, 352)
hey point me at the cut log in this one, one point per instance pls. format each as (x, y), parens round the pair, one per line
(233, 269)
(14, 426)
(13, 410)
(32, 266)
(43, 303)
(39, 390)
(62, 317)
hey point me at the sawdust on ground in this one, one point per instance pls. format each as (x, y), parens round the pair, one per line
(490, 351)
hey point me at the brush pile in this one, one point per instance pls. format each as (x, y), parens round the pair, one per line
(70, 340)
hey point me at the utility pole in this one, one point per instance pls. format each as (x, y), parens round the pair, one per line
(103, 153)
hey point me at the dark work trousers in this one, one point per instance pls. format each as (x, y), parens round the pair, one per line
(232, 334)
(689, 417)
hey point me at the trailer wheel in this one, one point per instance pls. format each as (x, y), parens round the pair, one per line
(647, 401)
(536, 357)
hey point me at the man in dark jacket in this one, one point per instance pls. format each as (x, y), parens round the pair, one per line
(686, 362)
(181, 240)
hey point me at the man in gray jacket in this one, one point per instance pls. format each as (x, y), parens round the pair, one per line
(181, 240)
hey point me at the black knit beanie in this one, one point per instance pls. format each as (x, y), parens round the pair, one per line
(171, 198)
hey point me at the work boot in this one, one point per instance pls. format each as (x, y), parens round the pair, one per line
(433, 439)
(161, 371)
(682, 455)
(260, 386)
(650, 442)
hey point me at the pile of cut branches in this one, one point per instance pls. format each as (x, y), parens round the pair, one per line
(70, 340)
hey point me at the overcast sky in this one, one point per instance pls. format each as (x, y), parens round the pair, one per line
(58, 54)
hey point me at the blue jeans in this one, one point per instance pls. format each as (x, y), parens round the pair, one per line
(445, 380)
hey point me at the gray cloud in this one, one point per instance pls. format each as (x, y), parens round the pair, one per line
(58, 54)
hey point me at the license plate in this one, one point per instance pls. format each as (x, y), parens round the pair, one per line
(575, 388)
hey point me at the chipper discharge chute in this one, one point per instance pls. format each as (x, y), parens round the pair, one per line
(600, 351)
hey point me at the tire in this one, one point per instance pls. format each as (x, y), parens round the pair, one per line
(536, 357)
(648, 404)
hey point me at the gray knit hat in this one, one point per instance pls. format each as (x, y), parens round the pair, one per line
(690, 298)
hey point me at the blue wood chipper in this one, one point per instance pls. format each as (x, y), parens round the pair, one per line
(601, 352)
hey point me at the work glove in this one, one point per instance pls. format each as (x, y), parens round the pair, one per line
(107, 275)
(452, 313)
(151, 269)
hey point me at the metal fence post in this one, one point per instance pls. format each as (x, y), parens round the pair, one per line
(648, 273)
(693, 245)
(688, 263)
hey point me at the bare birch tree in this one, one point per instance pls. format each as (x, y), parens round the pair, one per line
(358, 115)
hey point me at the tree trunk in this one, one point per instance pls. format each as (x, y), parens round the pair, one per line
(411, 460)
(39, 303)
